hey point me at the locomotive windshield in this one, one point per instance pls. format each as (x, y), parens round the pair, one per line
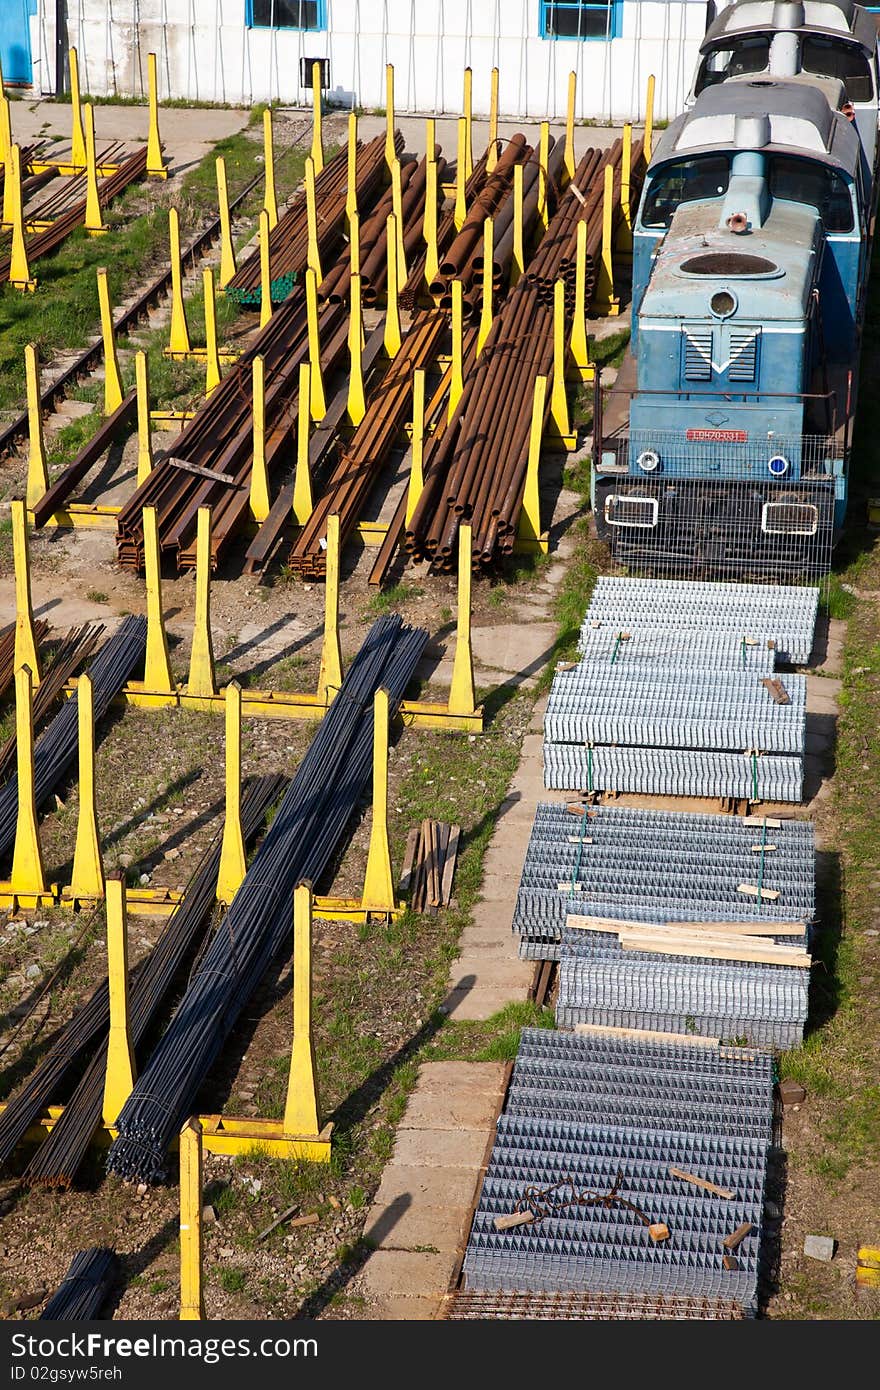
(821, 57)
(791, 179)
(684, 181)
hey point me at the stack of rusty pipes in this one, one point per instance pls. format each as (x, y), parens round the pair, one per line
(415, 289)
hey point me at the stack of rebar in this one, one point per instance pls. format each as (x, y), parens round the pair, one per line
(76, 648)
(7, 651)
(300, 844)
(85, 1287)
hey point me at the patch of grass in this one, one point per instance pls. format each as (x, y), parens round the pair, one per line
(97, 596)
(233, 1279)
(838, 600)
(387, 599)
(494, 1040)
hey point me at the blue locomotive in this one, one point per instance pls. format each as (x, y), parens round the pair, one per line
(724, 447)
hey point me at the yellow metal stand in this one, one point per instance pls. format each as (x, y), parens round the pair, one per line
(87, 876)
(460, 212)
(378, 895)
(648, 145)
(202, 680)
(456, 376)
(392, 339)
(492, 147)
(19, 270)
(227, 250)
(486, 308)
(518, 257)
(120, 1075)
(259, 500)
(77, 138)
(624, 226)
(351, 207)
(38, 473)
(233, 861)
(178, 341)
(416, 472)
(568, 157)
(25, 653)
(265, 271)
(429, 226)
(302, 482)
(27, 886)
(94, 220)
(157, 665)
(212, 356)
(318, 402)
(529, 532)
(313, 257)
(606, 301)
(6, 156)
(390, 151)
(145, 443)
(354, 244)
(462, 698)
(317, 131)
(579, 343)
(270, 203)
(155, 163)
(543, 174)
(302, 1109)
(467, 108)
(192, 1304)
(330, 673)
(559, 397)
(112, 377)
(397, 209)
(357, 403)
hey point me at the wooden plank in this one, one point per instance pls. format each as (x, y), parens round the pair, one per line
(512, 1220)
(196, 468)
(449, 863)
(700, 1182)
(763, 849)
(714, 949)
(646, 1034)
(736, 1238)
(751, 890)
(777, 690)
(585, 922)
(412, 844)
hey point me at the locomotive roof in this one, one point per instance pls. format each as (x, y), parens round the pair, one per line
(763, 114)
(834, 18)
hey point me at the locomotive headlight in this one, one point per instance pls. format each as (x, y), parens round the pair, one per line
(648, 460)
(722, 303)
(778, 465)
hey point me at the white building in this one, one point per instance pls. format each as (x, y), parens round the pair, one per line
(241, 51)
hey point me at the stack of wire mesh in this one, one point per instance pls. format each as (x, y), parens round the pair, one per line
(662, 866)
(85, 1287)
(593, 1128)
(299, 846)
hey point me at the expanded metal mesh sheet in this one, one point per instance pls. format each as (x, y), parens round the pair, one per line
(622, 645)
(589, 1307)
(674, 772)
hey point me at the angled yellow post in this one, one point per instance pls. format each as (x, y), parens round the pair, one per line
(227, 250)
(543, 173)
(461, 692)
(579, 344)
(77, 139)
(357, 402)
(212, 355)
(178, 340)
(317, 128)
(468, 112)
(8, 183)
(529, 527)
(270, 202)
(390, 151)
(302, 1114)
(392, 338)
(25, 642)
(202, 680)
(157, 665)
(120, 1074)
(145, 443)
(429, 224)
(265, 271)
(302, 481)
(397, 209)
(518, 255)
(38, 473)
(354, 244)
(378, 882)
(488, 261)
(492, 148)
(192, 1305)
(5, 124)
(460, 211)
(416, 472)
(330, 674)
(318, 402)
(624, 226)
(94, 221)
(28, 874)
(112, 376)
(606, 300)
(351, 205)
(259, 501)
(313, 254)
(87, 877)
(456, 379)
(155, 163)
(649, 121)
(233, 862)
(19, 269)
(559, 397)
(568, 159)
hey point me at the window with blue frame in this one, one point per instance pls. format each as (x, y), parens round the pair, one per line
(580, 19)
(285, 14)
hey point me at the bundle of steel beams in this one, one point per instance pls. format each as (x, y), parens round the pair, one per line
(301, 842)
(85, 1287)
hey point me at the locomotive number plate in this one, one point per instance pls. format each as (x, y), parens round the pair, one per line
(718, 436)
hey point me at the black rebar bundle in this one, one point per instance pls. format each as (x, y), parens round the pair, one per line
(56, 748)
(85, 1287)
(56, 1162)
(75, 648)
(298, 846)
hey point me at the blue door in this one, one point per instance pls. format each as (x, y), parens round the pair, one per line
(15, 40)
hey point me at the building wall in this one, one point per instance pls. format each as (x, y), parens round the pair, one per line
(207, 53)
